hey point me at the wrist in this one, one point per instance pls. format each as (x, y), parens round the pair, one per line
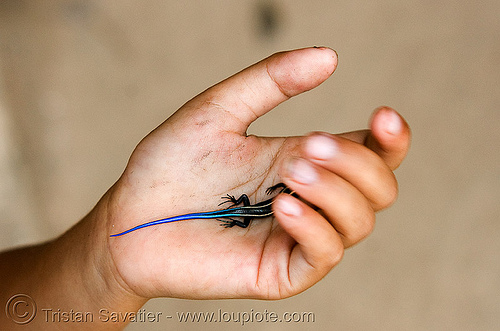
(73, 273)
(89, 261)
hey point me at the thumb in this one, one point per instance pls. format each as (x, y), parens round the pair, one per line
(242, 98)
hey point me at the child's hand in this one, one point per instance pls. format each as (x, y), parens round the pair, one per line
(202, 152)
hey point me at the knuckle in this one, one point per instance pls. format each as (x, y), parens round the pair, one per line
(335, 255)
(391, 195)
(388, 195)
(361, 228)
(366, 226)
(329, 252)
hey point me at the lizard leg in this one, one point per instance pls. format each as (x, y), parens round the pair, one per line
(230, 222)
(243, 199)
(273, 188)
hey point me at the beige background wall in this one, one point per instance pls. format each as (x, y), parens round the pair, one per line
(81, 82)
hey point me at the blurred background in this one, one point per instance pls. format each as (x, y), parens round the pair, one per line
(81, 82)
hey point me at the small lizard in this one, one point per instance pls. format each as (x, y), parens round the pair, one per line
(247, 211)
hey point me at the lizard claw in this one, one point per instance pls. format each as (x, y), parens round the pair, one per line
(229, 199)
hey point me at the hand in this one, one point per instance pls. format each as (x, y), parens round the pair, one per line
(202, 153)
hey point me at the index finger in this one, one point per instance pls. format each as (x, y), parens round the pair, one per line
(251, 93)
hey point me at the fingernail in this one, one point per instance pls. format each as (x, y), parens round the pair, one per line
(288, 207)
(392, 122)
(302, 172)
(321, 147)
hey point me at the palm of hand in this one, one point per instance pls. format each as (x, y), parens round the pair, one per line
(199, 258)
